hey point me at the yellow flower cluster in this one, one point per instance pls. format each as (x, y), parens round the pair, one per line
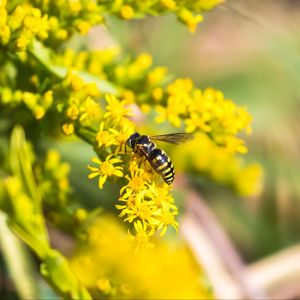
(96, 62)
(77, 101)
(19, 27)
(38, 104)
(180, 102)
(106, 169)
(224, 168)
(57, 20)
(188, 12)
(133, 77)
(146, 202)
(67, 16)
(52, 177)
(117, 278)
(204, 111)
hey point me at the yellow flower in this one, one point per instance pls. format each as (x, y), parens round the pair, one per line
(167, 217)
(197, 121)
(106, 169)
(104, 285)
(90, 111)
(170, 4)
(148, 280)
(171, 113)
(157, 94)
(116, 109)
(121, 135)
(68, 128)
(156, 76)
(141, 236)
(180, 86)
(72, 112)
(189, 19)
(127, 12)
(147, 201)
(105, 137)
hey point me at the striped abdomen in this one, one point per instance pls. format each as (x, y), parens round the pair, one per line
(162, 164)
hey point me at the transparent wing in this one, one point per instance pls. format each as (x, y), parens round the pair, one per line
(173, 138)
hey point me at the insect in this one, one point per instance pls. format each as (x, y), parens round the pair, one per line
(158, 159)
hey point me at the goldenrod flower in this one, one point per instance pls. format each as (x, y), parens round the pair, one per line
(106, 169)
(147, 201)
(170, 4)
(189, 19)
(147, 280)
(142, 236)
(116, 109)
(105, 137)
(127, 12)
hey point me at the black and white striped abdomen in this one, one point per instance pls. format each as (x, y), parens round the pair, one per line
(162, 164)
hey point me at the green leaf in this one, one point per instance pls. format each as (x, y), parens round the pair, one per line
(21, 159)
(57, 271)
(42, 55)
(18, 261)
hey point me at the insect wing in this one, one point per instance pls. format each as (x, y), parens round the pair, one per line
(173, 138)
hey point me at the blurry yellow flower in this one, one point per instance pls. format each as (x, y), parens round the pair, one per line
(82, 26)
(220, 164)
(157, 94)
(68, 128)
(117, 278)
(39, 112)
(72, 112)
(106, 169)
(180, 86)
(141, 237)
(74, 81)
(189, 19)
(92, 90)
(104, 286)
(156, 75)
(128, 96)
(197, 121)
(144, 61)
(105, 137)
(170, 4)
(116, 110)
(249, 181)
(81, 215)
(171, 113)
(127, 12)
(90, 111)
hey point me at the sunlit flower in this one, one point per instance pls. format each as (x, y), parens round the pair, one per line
(90, 111)
(105, 137)
(116, 109)
(106, 169)
(127, 12)
(142, 236)
(147, 201)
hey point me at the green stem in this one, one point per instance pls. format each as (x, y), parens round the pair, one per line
(45, 65)
(86, 134)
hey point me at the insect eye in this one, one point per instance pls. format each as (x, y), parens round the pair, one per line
(129, 142)
(132, 140)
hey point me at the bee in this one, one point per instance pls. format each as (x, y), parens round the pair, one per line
(158, 158)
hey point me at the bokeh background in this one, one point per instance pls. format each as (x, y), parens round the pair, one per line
(250, 50)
